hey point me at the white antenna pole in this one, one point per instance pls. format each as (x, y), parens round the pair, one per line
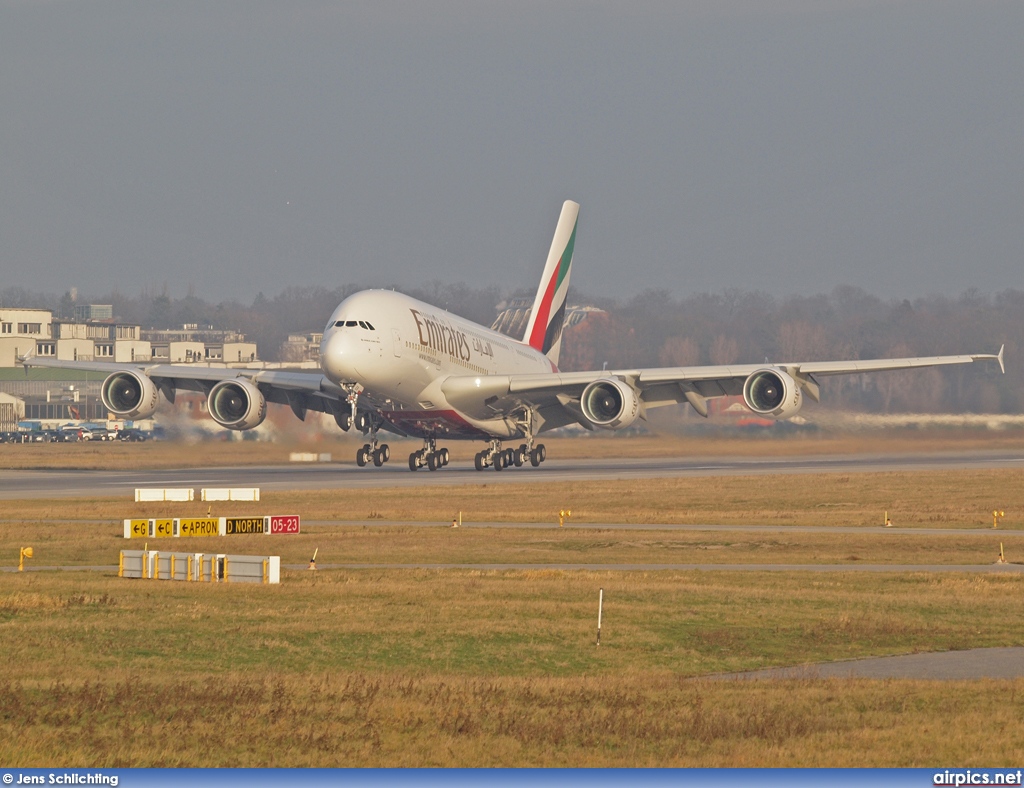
(600, 609)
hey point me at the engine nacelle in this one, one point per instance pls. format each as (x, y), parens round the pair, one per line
(237, 404)
(129, 395)
(610, 404)
(772, 393)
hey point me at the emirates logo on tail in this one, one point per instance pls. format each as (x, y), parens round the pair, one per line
(544, 331)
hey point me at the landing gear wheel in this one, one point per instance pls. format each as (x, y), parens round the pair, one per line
(432, 461)
(478, 461)
(542, 452)
(443, 453)
(414, 461)
(519, 457)
(385, 452)
(535, 458)
(363, 421)
(378, 457)
(499, 461)
(363, 455)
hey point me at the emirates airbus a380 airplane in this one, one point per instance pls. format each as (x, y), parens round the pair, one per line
(392, 363)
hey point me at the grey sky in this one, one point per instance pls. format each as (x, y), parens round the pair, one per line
(779, 145)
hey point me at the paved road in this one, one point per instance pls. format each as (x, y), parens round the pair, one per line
(979, 663)
(314, 476)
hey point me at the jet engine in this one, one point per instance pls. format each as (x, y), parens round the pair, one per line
(237, 404)
(610, 404)
(129, 395)
(772, 393)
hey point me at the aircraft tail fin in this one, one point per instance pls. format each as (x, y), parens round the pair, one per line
(544, 330)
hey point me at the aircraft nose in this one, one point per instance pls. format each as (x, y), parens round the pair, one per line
(337, 358)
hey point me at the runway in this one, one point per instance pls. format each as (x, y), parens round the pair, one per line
(20, 484)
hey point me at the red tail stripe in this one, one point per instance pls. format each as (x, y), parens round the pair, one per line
(540, 323)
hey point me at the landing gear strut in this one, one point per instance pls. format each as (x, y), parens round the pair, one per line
(429, 455)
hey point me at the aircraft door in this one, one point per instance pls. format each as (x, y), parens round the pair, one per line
(398, 342)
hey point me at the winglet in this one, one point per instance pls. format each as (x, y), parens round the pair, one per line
(997, 357)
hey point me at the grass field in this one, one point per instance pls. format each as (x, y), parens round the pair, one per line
(466, 667)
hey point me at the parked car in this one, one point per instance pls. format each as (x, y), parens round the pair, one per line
(70, 433)
(132, 436)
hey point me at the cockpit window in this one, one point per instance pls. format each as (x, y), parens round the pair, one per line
(354, 324)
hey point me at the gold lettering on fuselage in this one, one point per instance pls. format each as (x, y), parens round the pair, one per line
(441, 337)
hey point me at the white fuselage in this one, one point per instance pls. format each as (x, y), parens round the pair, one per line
(396, 347)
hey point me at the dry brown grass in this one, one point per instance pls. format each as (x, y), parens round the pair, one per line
(373, 719)
(470, 668)
(942, 499)
(388, 667)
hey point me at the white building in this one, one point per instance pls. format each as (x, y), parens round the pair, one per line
(191, 344)
(20, 331)
(34, 332)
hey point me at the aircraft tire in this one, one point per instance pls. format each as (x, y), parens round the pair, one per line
(444, 456)
(432, 461)
(378, 457)
(542, 452)
(499, 460)
(535, 458)
(413, 461)
(385, 451)
(362, 455)
(478, 461)
(519, 457)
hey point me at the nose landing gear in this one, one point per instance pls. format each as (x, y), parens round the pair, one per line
(368, 423)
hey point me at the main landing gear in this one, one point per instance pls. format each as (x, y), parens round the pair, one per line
(379, 453)
(498, 458)
(429, 455)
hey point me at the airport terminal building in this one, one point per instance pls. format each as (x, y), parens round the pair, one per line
(94, 335)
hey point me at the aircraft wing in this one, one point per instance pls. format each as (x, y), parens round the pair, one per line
(303, 391)
(493, 395)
